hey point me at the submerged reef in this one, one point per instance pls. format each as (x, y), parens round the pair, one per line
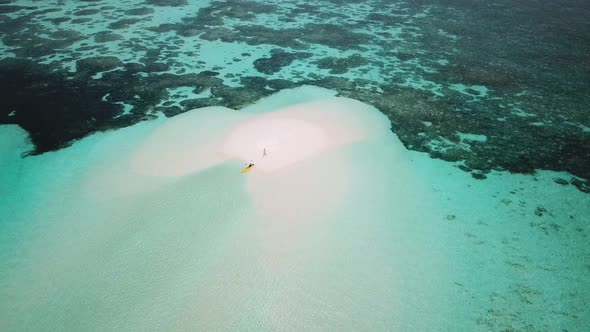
(516, 102)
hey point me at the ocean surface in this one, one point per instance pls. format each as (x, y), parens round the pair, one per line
(418, 165)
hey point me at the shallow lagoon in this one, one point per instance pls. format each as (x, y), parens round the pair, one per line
(470, 213)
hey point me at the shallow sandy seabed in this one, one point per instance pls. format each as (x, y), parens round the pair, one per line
(338, 227)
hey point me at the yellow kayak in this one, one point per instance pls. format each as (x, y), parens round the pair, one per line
(247, 169)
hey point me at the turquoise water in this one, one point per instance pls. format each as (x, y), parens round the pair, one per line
(419, 166)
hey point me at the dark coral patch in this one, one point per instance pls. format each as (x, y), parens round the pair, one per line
(105, 37)
(41, 12)
(86, 12)
(140, 11)
(385, 19)
(332, 35)
(81, 20)
(341, 65)
(582, 185)
(163, 28)
(278, 60)
(170, 111)
(481, 74)
(167, 3)
(98, 64)
(22, 34)
(28, 44)
(59, 20)
(336, 36)
(66, 35)
(156, 67)
(223, 34)
(409, 110)
(124, 23)
(133, 67)
(54, 110)
(12, 9)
